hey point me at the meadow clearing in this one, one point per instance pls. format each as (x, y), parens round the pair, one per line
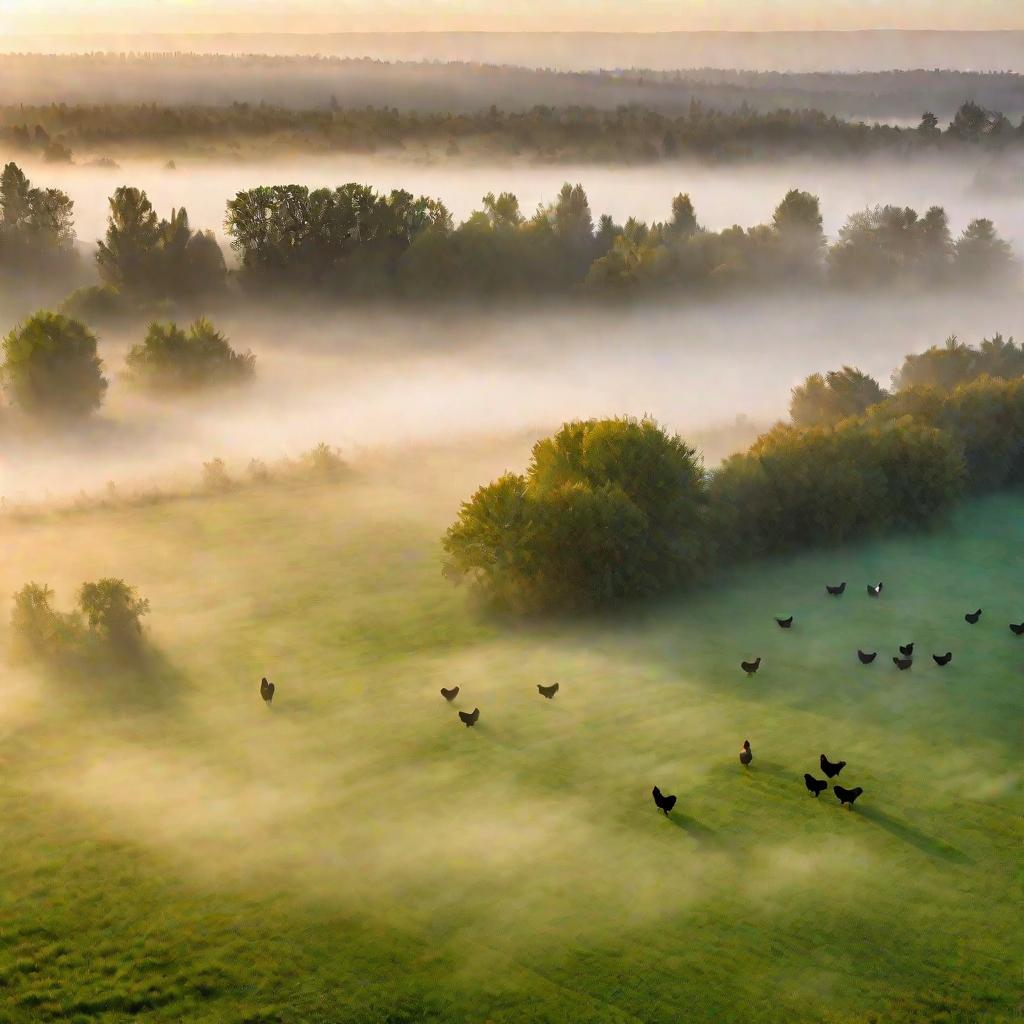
(174, 850)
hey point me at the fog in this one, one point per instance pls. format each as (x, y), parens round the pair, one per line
(742, 194)
(377, 382)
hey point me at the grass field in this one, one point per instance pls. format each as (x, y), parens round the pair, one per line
(175, 851)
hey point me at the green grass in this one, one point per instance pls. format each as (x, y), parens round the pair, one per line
(173, 851)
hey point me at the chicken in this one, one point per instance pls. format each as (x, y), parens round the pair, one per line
(972, 617)
(470, 717)
(815, 786)
(866, 659)
(750, 667)
(875, 591)
(836, 591)
(906, 650)
(785, 623)
(902, 663)
(1017, 628)
(746, 754)
(846, 797)
(267, 690)
(663, 803)
(942, 659)
(829, 768)
(547, 691)
(451, 694)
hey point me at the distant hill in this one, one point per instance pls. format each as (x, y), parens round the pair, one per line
(581, 51)
(310, 83)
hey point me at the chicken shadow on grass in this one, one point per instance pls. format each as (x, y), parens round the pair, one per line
(698, 830)
(915, 837)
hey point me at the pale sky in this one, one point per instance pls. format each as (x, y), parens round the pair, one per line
(129, 16)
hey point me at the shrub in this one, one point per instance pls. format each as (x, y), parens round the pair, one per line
(259, 472)
(608, 509)
(215, 476)
(98, 303)
(171, 359)
(832, 397)
(113, 610)
(324, 460)
(802, 487)
(956, 363)
(38, 630)
(51, 367)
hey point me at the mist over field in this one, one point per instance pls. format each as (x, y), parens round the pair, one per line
(372, 380)
(383, 452)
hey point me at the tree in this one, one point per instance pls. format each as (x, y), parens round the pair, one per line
(970, 122)
(684, 218)
(929, 126)
(171, 359)
(113, 610)
(797, 224)
(834, 396)
(51, 367)
(981, 256)
(126, 256)
(36, 225)
(609, 509)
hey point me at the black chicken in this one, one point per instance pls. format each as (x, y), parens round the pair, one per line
(902, 663)
(746, 754)
(829, 768)
(470, 717)
(972, 617)
(866, 659)
(785, 623)
(450, 694)
(547, 691)
(836, 591)
(750, 667)
(875, 591)
(814, 786)
(267, 690)
(943, 659)
(907, 650)
(663, 803)
(846, 797)
(1017, 628)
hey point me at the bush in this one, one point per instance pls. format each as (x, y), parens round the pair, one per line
(834, 396)
(51, 367)
(98, 303)
(828, 485)
(171, 359)
(608, 509)
(215, 476)
(956, 363)
(38, 630)
(113, 610)
(984, 418)
(323, 460)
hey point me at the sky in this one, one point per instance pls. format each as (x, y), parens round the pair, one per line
(130, 16)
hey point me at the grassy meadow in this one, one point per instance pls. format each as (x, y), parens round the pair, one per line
(173, 850)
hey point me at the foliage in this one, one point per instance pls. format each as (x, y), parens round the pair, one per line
(92, 304)
(609, 509)
(797, 488)
(149, 258)
(827, 398)
(37, 232)
(215, 476)
(324, 460)
(113, 610)
(51, 367)
(173, 359)
(955, 363)
(38, 630)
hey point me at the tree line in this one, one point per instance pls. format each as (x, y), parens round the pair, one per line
(619, 509)
(627, 134)
(353, 242)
